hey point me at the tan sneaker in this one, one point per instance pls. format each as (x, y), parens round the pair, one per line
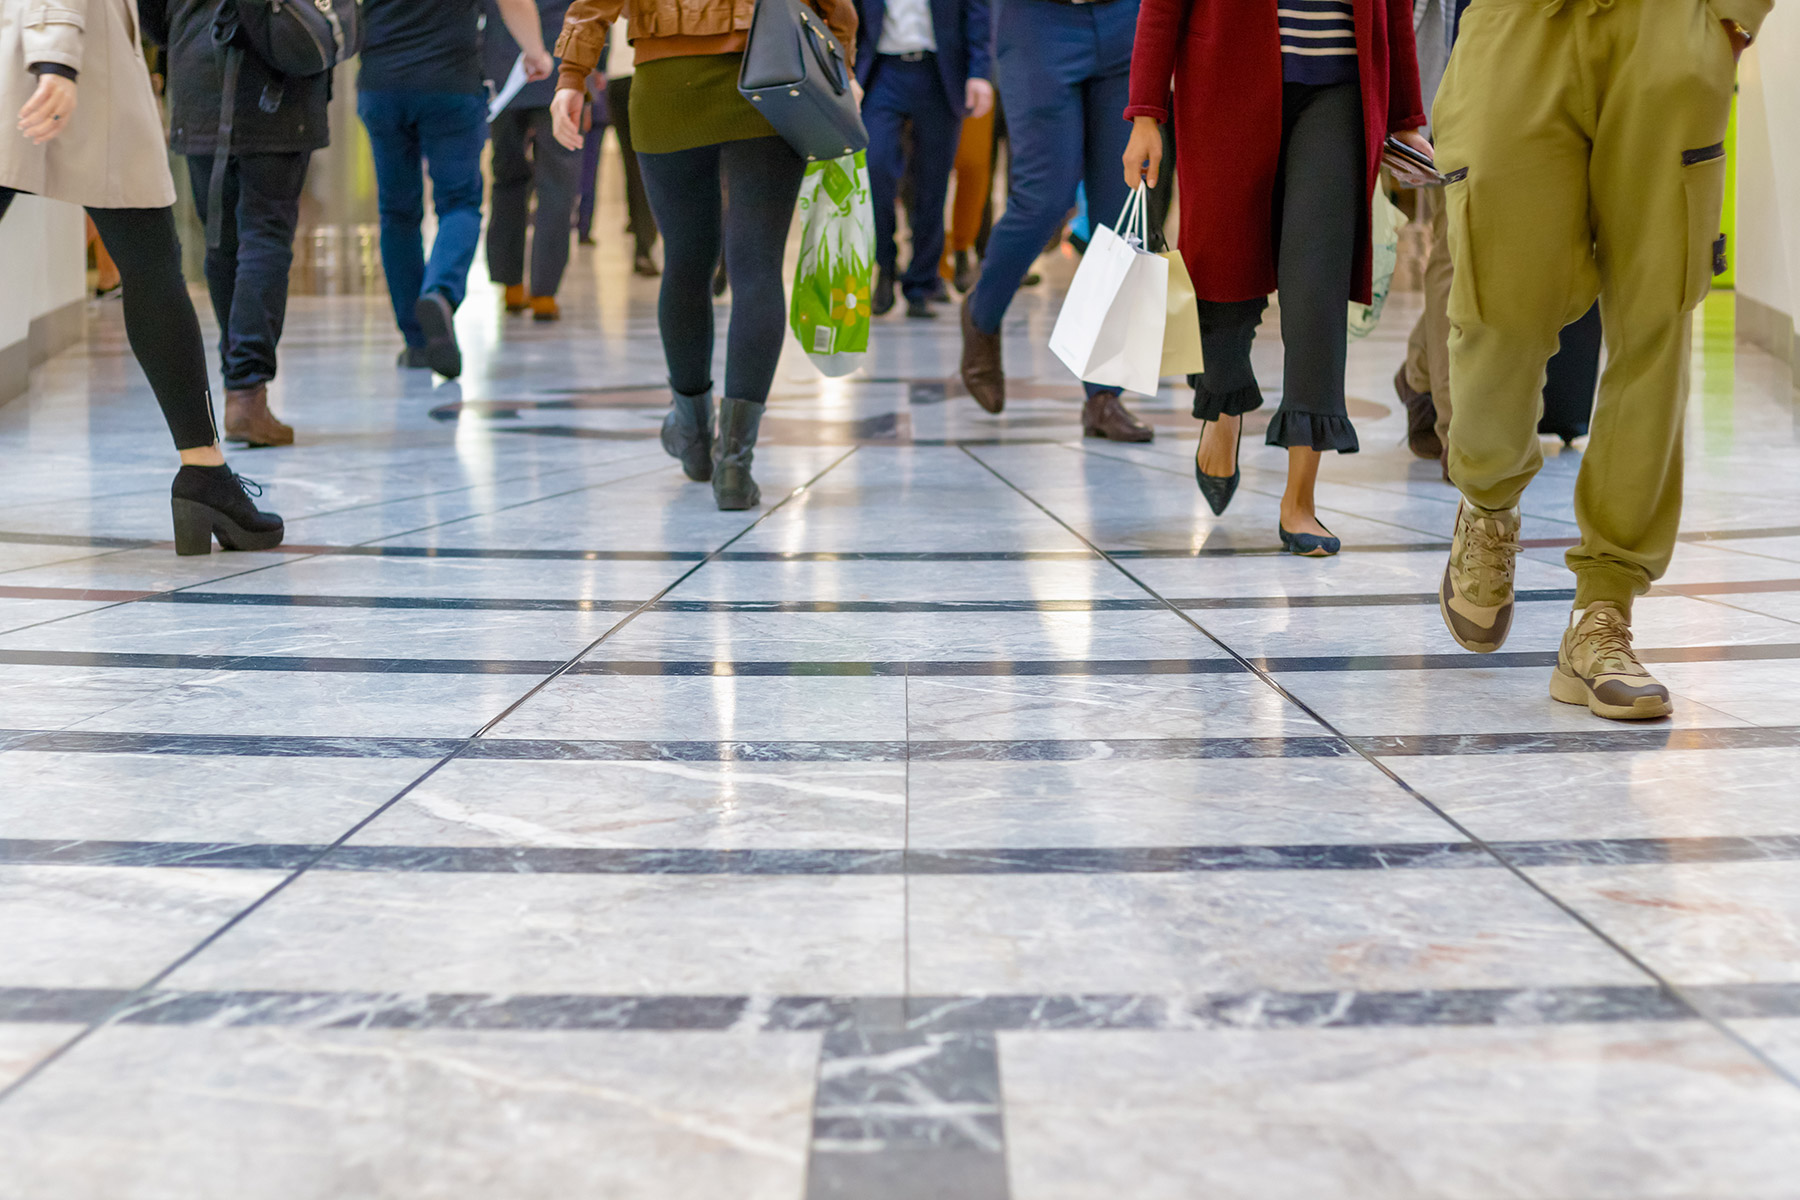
(1476, 598)
(1597, 667)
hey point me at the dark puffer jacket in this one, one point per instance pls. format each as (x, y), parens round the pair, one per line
(196, 74)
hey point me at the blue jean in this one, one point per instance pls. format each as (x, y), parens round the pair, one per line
(446, 130)
(1064, 74)
(901, 91)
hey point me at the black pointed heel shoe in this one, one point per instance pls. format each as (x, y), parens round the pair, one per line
(733, 488)
(1308, 545)
(1219, 489)
(687, 434)
(211, 502)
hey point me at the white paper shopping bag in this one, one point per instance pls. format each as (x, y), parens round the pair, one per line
(1110, 330)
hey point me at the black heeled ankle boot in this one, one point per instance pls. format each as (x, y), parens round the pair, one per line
(733, 488)
(1219, 489)
(211, 502)
(687, 434)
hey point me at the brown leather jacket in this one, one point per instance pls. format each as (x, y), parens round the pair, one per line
(670, 28)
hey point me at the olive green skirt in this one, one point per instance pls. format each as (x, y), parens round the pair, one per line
(681, 103)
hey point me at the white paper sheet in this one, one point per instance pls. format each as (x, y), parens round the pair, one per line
(515, 79)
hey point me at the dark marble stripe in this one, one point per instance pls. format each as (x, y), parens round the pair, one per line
(65, 539)
(1587, 741)
(1028, 860)
(902, 1115)
(908, 1015)
(1047, 750)
(315, 664)
(454, 603)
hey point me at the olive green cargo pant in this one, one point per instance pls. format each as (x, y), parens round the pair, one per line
(1584, 144)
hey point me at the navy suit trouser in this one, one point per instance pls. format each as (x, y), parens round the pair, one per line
(1064, 75)
(898, 92)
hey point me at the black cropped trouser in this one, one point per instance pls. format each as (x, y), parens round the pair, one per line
(1319, 208)
(159, 315)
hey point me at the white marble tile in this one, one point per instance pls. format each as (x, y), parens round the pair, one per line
(1073, 578)
(713, 708)
(1244, 930)
(112, 926)
(1648, 794)
(1735, 922)
(1779, 1038)
(193, 798)
(34, 697)
(715, 805)
(1480, 699)
(283, 1114)
(604, 934)
(1608, 1112)
(1235, 704)
(22, 1047)
(1196, 802)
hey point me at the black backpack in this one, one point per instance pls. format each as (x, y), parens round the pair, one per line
(295, 39)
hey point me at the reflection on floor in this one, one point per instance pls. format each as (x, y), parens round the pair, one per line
(978, 818)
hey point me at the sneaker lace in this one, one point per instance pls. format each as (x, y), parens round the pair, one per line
(1489, 550)
(1610, 638)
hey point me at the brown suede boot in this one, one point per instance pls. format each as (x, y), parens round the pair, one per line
(982, 371)
(1105, 416)
(248, 419)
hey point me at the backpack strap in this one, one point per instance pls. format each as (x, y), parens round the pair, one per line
(215, 192)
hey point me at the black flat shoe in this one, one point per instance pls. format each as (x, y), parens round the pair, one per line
(438, 320)
(211, 502)
(1219, 489)
(1308, 545)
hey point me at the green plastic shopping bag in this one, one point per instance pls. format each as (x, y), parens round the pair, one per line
(830, 309)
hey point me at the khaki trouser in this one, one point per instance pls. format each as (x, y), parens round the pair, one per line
(1428, 349)
(1584, 140)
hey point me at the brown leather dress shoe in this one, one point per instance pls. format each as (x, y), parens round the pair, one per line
(983, 374)
(1104, 416)
(248, 419)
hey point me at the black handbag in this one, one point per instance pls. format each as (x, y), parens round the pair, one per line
(295, 39)
(796, 75)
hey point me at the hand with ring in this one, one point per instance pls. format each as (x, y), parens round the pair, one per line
(46, 114)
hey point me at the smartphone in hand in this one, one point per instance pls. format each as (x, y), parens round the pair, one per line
(1409, 165)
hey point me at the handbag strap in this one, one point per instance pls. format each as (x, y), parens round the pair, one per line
(215, 191)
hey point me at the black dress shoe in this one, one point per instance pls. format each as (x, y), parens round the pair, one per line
(1219, 489)
(438, 320)
(210, 502)
(919, 309)
(1421, 418)
(882, 301)
(646, 266)
(940, 291)
(413, 359)
(1308, 545)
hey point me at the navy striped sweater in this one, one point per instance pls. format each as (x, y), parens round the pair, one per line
(1318, 41)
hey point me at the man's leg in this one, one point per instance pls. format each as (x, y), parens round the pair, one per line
(637, 201)
(554, 172)
(1658, 182)
(511, 202)
(936, 127)
(221, 262)
(1041, 67)
(268, 212)
(1511, 137)
(452, 130)
(400, 197)
(884, 115)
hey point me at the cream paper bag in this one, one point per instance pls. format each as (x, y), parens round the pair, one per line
(1181, 337)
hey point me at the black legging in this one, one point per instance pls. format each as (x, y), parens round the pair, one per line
(159, 315)
(684, 186)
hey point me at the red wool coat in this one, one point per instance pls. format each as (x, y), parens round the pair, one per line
(1225, 58)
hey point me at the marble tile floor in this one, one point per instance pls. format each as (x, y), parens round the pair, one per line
(981, 818)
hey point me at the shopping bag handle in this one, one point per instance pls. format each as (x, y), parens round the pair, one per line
(1133, 224)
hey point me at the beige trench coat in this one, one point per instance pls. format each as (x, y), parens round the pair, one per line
(114, 154)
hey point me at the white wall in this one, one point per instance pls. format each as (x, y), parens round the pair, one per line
(43, 278)
(1768, 174)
